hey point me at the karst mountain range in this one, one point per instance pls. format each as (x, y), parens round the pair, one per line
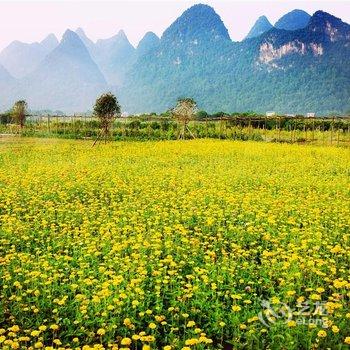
(298, 65)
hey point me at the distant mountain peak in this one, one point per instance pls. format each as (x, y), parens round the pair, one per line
(261, 26)
(71, 41)
(149, 35)
(82, 35)
(199, 21)
(263, 19)
(90, 45)
(50, 42)
(71, 45)
(119, 38)
(149, 42)
(20, 58)
(200, 9)
(147, 38)
(114, 55)
(330, 26)
(121, 34)
(71, 48)
(50, 37)
(80, 31)
(16, 43)
(69, 71)
(69, 35)
(293, 20)
(321, 17)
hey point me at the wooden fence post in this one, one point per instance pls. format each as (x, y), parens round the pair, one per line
(332, 126)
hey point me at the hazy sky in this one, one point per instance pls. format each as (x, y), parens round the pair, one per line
(30, 21)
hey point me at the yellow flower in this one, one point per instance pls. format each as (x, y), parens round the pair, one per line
(300, 300)
(322, 334)
(114, 220)
(35, 333)
(347, 340)
(14, 328)
(236, 308)
(336, 249)
(152, 325)
(205, 340)
(291, 323)
(148, 338)
(275, 300)
(127, 322)
(135, 303)
(314, 297)
(192, 341)
(15, 345)
(24, 338)
(101, 331)
(125, 341)
(236, 296)
(191, 323)
(335, 329)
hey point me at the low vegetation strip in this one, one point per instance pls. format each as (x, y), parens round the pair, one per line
(323, 131)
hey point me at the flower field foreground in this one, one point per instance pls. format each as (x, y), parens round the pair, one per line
(173, 245)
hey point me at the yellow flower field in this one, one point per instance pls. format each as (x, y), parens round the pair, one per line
(202, 244)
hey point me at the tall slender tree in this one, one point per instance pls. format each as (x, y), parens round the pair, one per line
(19, 112)
(185, 111)
(106, 109)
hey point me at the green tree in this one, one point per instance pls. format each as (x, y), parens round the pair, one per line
(106, 109)
(19, 111)
(185, 111)
(202, 115)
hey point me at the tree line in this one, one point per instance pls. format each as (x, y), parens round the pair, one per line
(107, 109)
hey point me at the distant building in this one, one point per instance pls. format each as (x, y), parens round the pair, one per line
(271, 114)
(310, 115)
(290, 115)
(124, 114)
